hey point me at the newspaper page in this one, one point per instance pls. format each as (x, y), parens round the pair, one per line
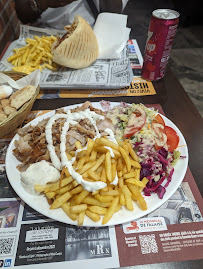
(173, 232)
(136, 59)
(138, 86)
(102, 74)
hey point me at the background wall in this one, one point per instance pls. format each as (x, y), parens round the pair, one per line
(9, 23)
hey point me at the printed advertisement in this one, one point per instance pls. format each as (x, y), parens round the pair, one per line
(167, 234)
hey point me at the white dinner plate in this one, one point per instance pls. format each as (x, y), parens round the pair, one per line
(40, 204)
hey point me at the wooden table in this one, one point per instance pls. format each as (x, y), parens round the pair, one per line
(179, 109)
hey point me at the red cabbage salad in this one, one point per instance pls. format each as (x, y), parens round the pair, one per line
(154, 143)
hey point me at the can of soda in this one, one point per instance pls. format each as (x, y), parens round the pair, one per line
(161, 33)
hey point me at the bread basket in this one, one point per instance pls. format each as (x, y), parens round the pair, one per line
(16, 119)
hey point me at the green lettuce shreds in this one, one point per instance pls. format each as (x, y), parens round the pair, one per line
(176, 156)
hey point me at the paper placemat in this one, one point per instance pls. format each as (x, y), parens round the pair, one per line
(171, 233)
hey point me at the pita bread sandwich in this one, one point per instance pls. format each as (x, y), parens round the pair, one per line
(78, 47)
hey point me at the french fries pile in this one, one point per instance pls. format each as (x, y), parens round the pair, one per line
(97, 164)
(35, 55)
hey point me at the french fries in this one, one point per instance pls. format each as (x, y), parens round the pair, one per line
(98, 163)
(36, 54)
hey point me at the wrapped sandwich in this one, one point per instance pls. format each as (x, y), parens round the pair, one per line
(78, 47)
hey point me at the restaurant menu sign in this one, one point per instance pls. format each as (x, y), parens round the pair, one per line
(173, 232)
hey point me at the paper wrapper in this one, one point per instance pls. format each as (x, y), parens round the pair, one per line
(31, 79)
(112, 34)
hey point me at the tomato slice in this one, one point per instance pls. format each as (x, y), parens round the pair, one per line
(172, 138)
(135, 123)
(157, 144)
(161, 138)
(131, 132)
(159, 119)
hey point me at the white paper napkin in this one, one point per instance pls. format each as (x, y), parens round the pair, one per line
(31, 79)
(112, 34)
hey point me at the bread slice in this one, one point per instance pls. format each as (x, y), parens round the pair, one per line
(2, 116)
(5, 102)
(8, 110)
(78, 48)
(21, 96)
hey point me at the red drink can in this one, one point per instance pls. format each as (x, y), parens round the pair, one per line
(161, 33)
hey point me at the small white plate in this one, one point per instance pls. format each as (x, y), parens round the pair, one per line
(40, 204)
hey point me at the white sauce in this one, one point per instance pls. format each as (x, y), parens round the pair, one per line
(39, 173)
(115, 182)
(48, 132)
(73, 118)
(43, 172)
(112, 138)
(87, 185)
(111, 151)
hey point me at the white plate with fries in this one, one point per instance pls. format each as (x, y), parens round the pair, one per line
(124, 213)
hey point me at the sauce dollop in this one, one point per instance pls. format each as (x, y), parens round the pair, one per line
(38, 173)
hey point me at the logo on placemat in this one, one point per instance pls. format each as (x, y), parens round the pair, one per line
(145, 225)
(7, 263)
(133, 226)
